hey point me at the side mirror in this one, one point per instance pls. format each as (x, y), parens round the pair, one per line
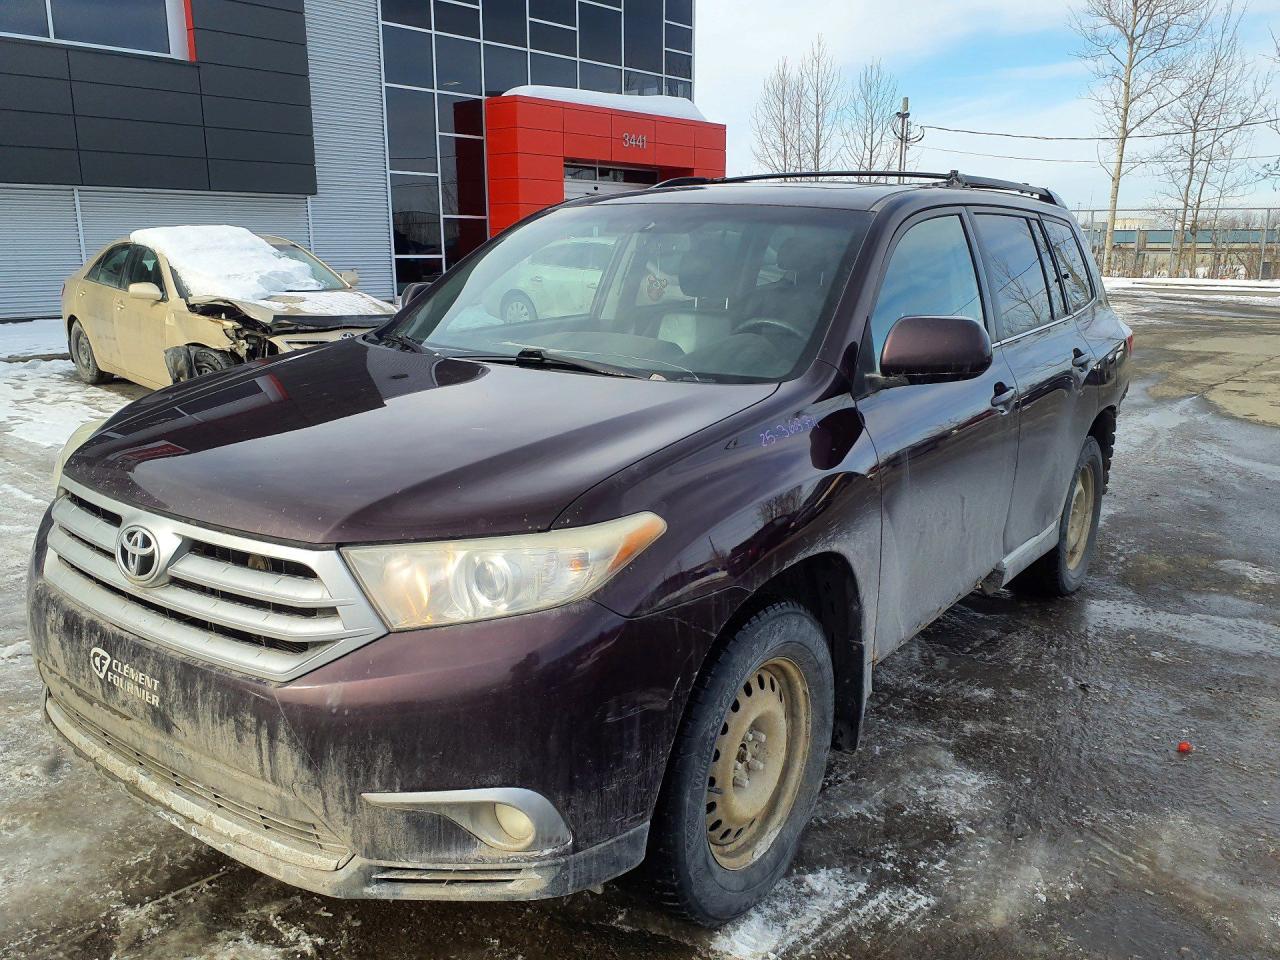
(145, 291)
(350, 277)
(935, 350)
(413, 290)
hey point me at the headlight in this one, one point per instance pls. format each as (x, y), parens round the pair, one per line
(74, 443)
(431, 584)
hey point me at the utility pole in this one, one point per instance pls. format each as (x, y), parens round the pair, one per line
(902, 132)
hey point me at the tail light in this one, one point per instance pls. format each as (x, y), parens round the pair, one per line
(1128, 344)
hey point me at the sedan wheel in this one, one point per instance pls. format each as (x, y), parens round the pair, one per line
(81, 351)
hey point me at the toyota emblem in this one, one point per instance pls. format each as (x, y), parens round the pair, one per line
(137, 554)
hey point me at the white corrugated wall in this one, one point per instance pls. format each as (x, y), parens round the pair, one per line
(39, 248)
(351, 212)
(108, 214)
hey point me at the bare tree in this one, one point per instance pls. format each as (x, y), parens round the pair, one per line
(796, 122)
(776, 120)
(869, 139)
(1137, 49)
(824, 99)
(1220, 98)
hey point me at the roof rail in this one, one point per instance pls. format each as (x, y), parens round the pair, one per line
(953, 178)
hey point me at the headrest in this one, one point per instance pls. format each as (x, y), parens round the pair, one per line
(806, 254)
(706, 273)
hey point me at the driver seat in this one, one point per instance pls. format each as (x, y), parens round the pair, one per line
(797, 298)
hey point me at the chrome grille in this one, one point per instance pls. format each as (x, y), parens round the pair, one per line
(259, 607)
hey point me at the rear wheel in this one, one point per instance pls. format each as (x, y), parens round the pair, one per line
(81, 351)
(745, 770)
(1063, 569)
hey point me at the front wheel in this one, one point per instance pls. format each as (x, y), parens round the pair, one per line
(1063, 569)
(518, 308)
(745, 770)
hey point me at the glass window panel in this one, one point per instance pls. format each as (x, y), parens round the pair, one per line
(594, 77)
(679, 88)
(1057, 294)
(642, 32)
(1071, 264)
(416, 271)
(27, 17)
(457, 65)
(543, 36)
(110, 268)
(145, 268)
(462, 187)
(134, 24)
(461, 114)
(561, 11)
(415, 214)
(680, 65)
(504, 22)
(416, 13)
(641, 84)
(679, 38)
(504, 68)
(451, 18)
(411, 130)
(1022, 299)
(930, 274)
(552, 71)
(406, 57)
(681, 11)
(599, 34)
(463, 236)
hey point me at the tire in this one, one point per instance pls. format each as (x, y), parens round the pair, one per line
(517, 308)
(717, 849)
(205, 360)
(1062, 570)
(81, 351)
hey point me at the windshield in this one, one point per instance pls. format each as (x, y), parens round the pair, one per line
(678, 291)
(327, 279)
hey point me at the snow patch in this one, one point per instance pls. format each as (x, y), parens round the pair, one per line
(226, 261)
(32, 338)
(328, 303)
(660, 106)
(796, 909)
(44, 402)
(14, 650)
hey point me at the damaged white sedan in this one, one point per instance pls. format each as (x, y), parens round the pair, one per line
(171, 303)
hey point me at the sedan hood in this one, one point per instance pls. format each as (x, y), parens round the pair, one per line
(360, 442)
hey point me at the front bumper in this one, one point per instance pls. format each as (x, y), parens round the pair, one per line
(576, 705)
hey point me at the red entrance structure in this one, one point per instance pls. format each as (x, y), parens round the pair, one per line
(536, 141)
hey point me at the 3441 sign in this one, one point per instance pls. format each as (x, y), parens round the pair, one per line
(638, 140)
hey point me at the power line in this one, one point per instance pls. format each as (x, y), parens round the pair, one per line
(1006, 156)
(1132, 136)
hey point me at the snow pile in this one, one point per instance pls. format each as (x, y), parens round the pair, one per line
(226, 261)
(44, 402)
(330, 303)
(33, 338)
(661, 106)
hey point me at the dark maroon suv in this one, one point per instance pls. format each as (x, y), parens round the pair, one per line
(500, 602)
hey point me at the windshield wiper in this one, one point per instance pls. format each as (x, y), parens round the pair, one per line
(402, 342)
(553, 360)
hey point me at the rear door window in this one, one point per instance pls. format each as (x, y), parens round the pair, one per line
(930, 274)
(1071, 264)
(109, 269)
(1017, 276)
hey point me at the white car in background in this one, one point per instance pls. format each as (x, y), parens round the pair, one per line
(557, 281)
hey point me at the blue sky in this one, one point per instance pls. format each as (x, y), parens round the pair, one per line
(1001, 65)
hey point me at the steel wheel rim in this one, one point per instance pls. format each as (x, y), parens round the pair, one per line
(517, 312)
(757, 763)
(1080, 519)
(78, 344)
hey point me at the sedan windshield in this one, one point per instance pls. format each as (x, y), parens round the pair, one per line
(326, 278)
(666, 290)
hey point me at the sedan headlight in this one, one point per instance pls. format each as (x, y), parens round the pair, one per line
(432, 584)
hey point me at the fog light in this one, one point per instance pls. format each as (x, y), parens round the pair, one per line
(514, 821)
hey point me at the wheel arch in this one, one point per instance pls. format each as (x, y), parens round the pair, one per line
(1103, 429)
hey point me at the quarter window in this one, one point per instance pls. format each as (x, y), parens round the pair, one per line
(930, 274)
(1071, 265)
(152, 26)
(1017, 276)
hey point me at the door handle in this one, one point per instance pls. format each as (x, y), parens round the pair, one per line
(1003, 398)
(119, 304)
(1081, 360)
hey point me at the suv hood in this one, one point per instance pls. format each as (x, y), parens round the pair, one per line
(360, 442)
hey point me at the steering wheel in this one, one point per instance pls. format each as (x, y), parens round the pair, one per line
(764, 325)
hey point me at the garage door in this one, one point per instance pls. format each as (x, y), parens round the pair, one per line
(110, 214)
(39, 248)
